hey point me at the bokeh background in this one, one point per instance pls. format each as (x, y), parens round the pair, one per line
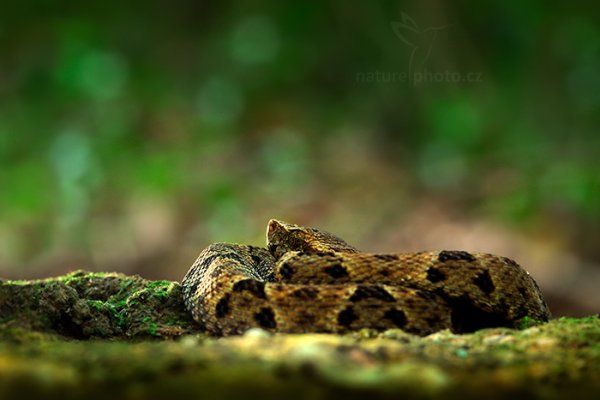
(133, 134)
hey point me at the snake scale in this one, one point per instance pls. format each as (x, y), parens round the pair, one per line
(308, 280)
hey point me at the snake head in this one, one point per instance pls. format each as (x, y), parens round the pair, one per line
(283, 237)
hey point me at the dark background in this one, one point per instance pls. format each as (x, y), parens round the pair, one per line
(133, 134)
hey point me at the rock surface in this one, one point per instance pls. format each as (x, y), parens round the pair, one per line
(96, 335)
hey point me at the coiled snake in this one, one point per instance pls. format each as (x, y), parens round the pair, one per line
(308, 280)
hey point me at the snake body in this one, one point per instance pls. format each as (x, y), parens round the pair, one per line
(308, 280)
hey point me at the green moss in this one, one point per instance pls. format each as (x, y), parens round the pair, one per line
(152, 328)
(161, 289)
(158, 284)
(578, 321)
(528, 322)
(97, 304)
(547, 361)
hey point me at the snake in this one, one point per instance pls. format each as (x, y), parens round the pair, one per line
(307, 280)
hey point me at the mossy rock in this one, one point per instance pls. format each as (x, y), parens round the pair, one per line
(106, 335)
(85, 305)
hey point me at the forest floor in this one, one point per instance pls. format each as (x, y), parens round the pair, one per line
(108, 335)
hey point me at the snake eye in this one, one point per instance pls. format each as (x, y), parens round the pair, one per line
(273, 224)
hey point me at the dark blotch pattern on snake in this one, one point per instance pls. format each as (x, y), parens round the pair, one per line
(308, 280)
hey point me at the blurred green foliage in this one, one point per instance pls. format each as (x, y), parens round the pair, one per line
(226, 113)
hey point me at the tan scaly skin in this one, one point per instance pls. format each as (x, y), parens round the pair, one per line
(312, 281)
